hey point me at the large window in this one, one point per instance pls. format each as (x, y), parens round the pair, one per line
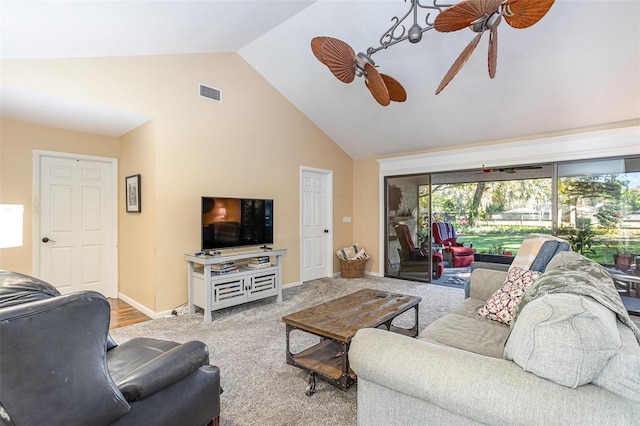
(594, 205)
(599, 209)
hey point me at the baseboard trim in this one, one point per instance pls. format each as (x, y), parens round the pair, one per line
(367, 273)
(148, 312)
(293, 284)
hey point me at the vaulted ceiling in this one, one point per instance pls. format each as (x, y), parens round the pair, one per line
(578, 67)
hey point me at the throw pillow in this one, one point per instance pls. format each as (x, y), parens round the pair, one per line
(502, 304)
(621, 375)
(566, 338)
(347, 253)
(361, 255)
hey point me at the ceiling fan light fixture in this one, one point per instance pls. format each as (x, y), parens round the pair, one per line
(415, 33)
(478, 25)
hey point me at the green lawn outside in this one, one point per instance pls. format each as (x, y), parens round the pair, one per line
(495, 241)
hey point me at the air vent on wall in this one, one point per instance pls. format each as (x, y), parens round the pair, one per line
(210, 93)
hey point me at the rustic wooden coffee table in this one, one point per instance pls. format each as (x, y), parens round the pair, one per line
(336, 322)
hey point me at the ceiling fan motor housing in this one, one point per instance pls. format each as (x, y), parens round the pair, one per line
(361, 59)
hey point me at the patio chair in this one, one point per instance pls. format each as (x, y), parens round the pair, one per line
(415, 260)
(456, 253)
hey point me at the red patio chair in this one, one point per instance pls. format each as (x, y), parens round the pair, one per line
(459, 255)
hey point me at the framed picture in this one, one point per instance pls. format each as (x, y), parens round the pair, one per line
(132, 190)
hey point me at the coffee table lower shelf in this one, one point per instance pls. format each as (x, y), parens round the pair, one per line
(326, 359)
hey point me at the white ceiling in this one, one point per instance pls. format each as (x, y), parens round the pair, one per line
(579, 66)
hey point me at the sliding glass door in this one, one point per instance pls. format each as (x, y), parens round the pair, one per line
(595, 205)
(599, 210)
(407, 212)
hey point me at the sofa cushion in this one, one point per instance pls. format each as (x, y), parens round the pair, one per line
(566, 338)
(570, 272)
(621, 375)
(473, 334)
(502, 304)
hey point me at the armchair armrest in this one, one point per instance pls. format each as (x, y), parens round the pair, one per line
(161, 371)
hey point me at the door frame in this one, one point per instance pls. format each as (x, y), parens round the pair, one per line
(328, 214)
(112, 215)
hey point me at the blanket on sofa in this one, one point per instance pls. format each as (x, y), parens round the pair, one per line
(583, 277)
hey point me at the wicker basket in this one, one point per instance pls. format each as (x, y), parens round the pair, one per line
(352, 268)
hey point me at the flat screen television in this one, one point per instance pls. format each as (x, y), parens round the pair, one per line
(236, 222)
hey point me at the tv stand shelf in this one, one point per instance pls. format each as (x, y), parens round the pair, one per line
(212, 292)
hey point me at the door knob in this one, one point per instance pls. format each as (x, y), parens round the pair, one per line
(46, 240)
(326, 231)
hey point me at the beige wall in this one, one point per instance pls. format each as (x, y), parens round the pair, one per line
(136, 231)
(366, 207)
(251, 145)
(17, 143)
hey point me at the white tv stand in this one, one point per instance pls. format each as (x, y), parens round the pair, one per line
(211, 292)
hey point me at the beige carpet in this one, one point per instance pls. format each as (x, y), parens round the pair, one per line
(248, 344)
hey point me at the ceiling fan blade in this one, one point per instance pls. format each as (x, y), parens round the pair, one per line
(316, 45)
(459, 63)
(526, 167)
(340, 58)
(525, 13)
(464, 13)
(493, 51)
(396, 91)
(376, 86)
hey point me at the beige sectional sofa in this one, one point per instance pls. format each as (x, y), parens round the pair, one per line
(467, 369)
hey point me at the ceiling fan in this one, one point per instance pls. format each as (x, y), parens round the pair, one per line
(478, 15)
(486, 15)
(342, 61)
(509, 170)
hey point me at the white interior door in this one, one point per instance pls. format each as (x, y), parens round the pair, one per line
(316, 223)
(76, 224)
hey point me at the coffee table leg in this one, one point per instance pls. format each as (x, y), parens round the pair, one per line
(414, 330)
(411, 332)
(311, 387)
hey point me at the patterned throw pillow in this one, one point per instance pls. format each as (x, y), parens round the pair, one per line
(502, 304)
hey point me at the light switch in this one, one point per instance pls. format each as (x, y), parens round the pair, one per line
(346, 219)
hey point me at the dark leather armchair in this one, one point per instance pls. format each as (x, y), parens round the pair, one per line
(59, 366)
(415, 260)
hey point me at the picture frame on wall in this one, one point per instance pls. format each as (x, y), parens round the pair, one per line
(132, 191)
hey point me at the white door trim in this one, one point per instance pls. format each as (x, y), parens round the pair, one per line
(112, 216)
(328, 215)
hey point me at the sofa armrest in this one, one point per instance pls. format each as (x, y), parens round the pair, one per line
(484, 282)
(163, 370)
(484, 389)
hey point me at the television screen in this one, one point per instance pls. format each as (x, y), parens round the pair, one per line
(236, 222)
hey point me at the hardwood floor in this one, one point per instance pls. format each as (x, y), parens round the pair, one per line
(124, 314)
